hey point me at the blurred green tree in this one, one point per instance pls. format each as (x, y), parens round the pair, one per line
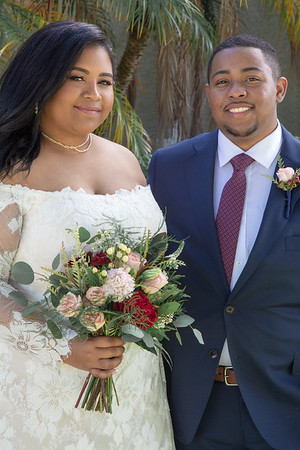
(185, 32)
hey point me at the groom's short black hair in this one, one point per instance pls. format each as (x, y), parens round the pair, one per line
(246, 40)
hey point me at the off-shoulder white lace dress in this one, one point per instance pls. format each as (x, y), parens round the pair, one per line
(38, 391)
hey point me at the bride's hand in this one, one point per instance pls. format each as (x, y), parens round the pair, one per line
(98, 355)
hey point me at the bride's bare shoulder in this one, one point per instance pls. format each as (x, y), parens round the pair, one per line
(123, 159)
(109, 148)
(15, 179)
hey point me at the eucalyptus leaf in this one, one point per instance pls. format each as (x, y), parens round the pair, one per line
(93, 239)
(148, 340)
(158, 333)
(178, 338)
(142, 344)
(160, 242)
(130, 338)
(160, 238)
(19, 297)
(92, 278)
(132, 330)
(183, 321)
(54, 299)
(84, 234)
(56, 332)
(168, 308)
(198, 335)
(22, 273)
(55, 262)
(30, 309)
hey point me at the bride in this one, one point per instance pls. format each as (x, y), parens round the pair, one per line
(56, 173)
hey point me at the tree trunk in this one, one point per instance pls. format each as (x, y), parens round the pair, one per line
(132, 55)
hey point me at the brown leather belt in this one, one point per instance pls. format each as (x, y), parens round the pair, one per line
(226, 374)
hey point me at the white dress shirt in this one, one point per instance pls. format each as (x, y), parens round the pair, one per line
(265, 154)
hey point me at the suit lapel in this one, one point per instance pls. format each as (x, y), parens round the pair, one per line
(274, 219)
(200, 196)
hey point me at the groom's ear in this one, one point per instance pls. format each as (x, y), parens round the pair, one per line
(281, 88)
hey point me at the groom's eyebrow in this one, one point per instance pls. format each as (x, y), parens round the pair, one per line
(245, 69)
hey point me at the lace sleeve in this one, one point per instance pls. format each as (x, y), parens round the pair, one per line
(31, 337)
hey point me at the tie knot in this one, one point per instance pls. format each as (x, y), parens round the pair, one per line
(241, 162)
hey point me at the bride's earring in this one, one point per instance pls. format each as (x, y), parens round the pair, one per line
(36, 109)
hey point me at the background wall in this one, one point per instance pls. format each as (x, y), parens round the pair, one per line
(253, 20)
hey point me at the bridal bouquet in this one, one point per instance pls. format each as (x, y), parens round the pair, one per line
(113, 284)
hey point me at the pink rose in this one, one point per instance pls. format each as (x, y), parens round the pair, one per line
(153, 285)
(92, 319)
(285, 174)
(96, 295)
(69, 304)
(134, 262)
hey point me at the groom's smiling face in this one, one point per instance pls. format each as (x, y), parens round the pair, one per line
(243, 95)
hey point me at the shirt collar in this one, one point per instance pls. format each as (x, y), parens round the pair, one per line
(264, 151)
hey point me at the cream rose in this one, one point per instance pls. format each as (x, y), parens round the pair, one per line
(285, 174)
(96, 295)
(155, 284)
(134, 262)
(69, 304)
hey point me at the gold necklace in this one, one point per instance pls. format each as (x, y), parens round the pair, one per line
(71, 147)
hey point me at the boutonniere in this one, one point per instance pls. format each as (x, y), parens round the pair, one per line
(287, 180)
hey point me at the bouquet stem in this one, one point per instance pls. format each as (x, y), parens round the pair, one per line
(98, 394)
(82, 390)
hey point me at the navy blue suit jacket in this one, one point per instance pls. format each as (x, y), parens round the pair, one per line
(263, 331)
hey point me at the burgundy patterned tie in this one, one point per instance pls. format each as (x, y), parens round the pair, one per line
(230, 211)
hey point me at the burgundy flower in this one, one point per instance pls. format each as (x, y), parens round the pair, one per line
(144, 314)
(100, 259)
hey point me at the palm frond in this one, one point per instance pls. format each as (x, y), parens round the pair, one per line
(125, 127)
(174, 78)
(17, 23)
(228, 20)
(99, 16)
(289, 14)
(52, 10)
(167, 66)
(198, 74)
(180, 74)
(161, 16)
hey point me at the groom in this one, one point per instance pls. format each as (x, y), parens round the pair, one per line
(241, 389)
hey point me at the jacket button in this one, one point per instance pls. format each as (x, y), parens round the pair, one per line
(213, 354)
(230, 309)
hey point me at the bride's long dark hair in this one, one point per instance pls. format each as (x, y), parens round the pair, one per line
(36, 73)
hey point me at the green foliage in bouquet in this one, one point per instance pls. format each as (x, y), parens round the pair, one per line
(113, 284)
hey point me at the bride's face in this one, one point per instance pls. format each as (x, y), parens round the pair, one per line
(85, 99)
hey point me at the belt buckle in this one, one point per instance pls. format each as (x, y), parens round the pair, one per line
(227, 376)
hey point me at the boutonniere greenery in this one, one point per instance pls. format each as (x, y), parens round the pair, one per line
(287, 180)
